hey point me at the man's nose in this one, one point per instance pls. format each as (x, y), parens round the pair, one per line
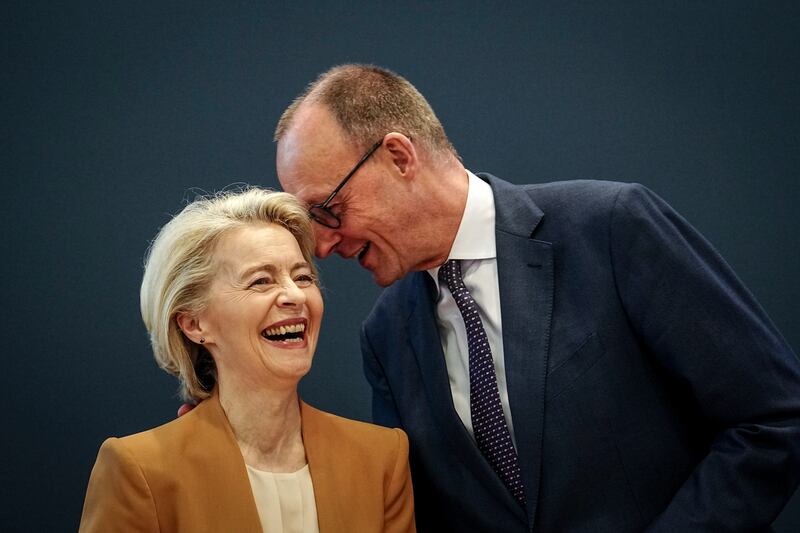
(326, 240)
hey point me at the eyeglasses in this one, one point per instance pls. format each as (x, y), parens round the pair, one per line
(320, 212)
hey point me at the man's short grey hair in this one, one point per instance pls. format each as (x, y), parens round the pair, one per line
(368, 102)
(180, 266)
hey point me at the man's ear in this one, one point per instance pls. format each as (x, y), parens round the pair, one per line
(403, 153)
(190, 325)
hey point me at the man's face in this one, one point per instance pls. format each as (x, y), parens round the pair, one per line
(312, 158)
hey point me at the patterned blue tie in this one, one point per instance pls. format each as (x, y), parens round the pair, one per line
(488, 422)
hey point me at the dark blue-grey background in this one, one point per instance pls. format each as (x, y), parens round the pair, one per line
(113, 112)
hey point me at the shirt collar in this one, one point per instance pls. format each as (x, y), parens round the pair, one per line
(475, 236)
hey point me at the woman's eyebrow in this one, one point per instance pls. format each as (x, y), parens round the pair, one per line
(272, 269)
(299, 265)
(268, 267)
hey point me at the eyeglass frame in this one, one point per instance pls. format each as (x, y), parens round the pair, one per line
(324, 205)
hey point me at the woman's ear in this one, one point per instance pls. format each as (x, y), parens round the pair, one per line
(190, 326)
(403, 153)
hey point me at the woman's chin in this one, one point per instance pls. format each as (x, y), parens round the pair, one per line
(289, 368)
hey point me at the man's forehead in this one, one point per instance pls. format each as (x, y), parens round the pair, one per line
(310, 155)
(307, 190)
(312, 128)
(302, 176)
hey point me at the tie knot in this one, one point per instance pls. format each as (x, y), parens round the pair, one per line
(450, 274)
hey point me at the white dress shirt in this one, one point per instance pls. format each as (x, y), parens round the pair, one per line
(475, 247)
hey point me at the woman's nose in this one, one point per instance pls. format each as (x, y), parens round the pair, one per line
(291, 294)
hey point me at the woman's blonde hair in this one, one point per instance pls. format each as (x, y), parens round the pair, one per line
(179, 267)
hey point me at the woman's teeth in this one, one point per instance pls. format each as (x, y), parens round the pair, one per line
(290, 333)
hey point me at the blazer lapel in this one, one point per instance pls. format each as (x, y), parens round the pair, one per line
(423, 333)
(321, 452)
(216, 454)
(525, 273)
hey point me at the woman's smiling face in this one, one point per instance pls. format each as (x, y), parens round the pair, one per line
(264, 309)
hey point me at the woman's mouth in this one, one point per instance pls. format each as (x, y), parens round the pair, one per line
(287, 332)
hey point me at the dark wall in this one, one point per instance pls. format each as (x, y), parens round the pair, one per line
(113, 113)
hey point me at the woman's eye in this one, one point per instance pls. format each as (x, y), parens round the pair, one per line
(261, 281)
(304, 280)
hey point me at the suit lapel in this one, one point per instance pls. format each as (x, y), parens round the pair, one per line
(525, 274)
(423, 333)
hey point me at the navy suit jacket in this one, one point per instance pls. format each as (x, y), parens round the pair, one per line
(649, 390)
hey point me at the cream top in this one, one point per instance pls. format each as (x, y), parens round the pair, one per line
(285, 502)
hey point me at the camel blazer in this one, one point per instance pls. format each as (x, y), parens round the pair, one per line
(189, 475)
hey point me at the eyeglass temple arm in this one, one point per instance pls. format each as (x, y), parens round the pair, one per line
(350, 174)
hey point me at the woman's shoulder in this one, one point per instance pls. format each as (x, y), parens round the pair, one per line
(354, 432)
(160, 443)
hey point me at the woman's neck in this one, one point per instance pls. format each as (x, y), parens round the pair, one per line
(267, 426)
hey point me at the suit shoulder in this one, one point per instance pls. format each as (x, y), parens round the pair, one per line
(568, 201)
(586, 207)
(558, 188)
(577, 194)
